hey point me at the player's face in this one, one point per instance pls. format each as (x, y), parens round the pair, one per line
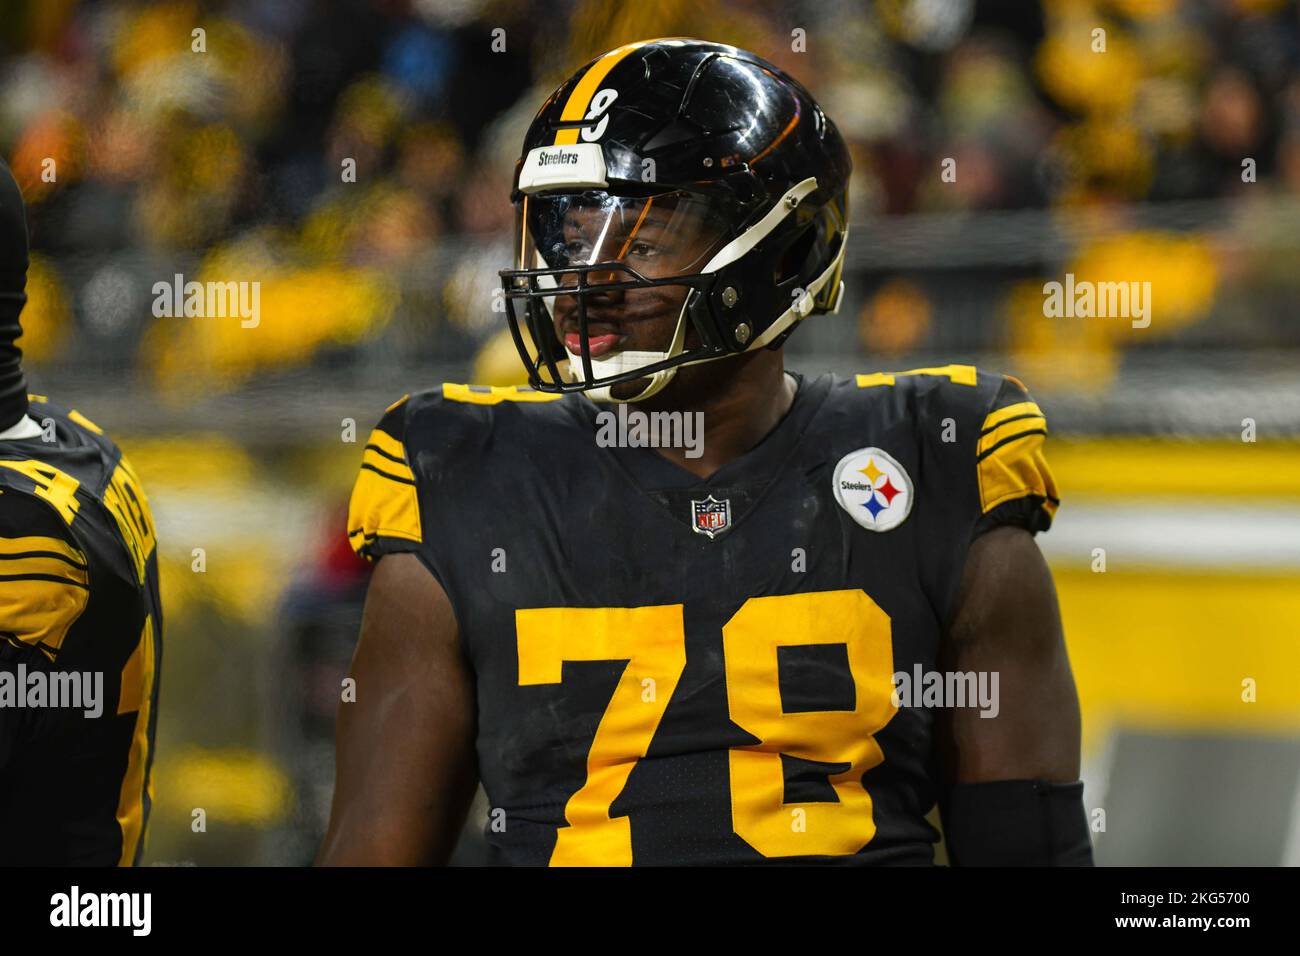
(657, 237)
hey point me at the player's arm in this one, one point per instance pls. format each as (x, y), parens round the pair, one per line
(406, 768)
(1010, 793)
(1008, 623)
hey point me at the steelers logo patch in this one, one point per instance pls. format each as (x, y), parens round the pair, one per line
(874, 489)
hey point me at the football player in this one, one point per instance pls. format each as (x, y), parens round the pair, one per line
(667, 655)
(80, 619)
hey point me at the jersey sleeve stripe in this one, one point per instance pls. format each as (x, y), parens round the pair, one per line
(383, 454)
(1009, 413)
(384, 500)
(1017, 418)
(366, 466)
(12, 549)
(1009, 433)
(43, 573)
(1017, 468)
(387, 445)
(38, 608)
(397, 470)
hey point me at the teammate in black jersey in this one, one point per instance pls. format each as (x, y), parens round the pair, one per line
(687, 654)
(80, 617)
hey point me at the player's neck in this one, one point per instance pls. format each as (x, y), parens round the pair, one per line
(741, 401)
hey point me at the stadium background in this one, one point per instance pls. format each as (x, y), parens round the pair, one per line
(1123, 165)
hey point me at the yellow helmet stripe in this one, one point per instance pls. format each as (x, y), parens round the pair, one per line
(580, 99)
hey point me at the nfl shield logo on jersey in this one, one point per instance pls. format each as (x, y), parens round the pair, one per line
(711, 516)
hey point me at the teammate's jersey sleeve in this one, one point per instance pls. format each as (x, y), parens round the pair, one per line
(1016, 486)
(384, 513)
(43, 590)
(44, 576)
(79, 600)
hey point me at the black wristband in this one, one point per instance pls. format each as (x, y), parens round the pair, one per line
(1016, 823)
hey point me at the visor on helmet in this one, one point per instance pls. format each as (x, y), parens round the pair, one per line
(655, 236)
(634, 256)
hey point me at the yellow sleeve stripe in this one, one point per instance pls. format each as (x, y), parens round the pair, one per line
(1015, 470)
(50, 547)
(386, 443)
(41, 595)
(957, 374)
(1018, 410)
(386, 475)
(495, 394)
(386, 466)
(383, 504)
(35, 566)
(1010, 431)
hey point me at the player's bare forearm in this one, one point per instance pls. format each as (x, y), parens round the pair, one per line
(1008, 623)
(405, 767)
(1010, 794)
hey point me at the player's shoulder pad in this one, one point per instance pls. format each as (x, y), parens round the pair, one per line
(43, 412)
(491, 394)
(453, 427)
(419, 438)
(944, 402)
(46, 574)
(70, 430)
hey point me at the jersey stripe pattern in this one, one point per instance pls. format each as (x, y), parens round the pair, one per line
(79, 605)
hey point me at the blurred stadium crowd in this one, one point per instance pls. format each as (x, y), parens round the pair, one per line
(212, 139)
(229, 162)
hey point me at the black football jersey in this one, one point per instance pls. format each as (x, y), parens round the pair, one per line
(78, 596)
(674, 670)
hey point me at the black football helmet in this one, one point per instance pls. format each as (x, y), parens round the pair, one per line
(673, 162)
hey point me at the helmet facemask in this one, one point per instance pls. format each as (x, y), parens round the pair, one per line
(594, 265)
(610, 288)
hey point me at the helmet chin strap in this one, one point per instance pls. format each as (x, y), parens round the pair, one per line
(621, 362)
